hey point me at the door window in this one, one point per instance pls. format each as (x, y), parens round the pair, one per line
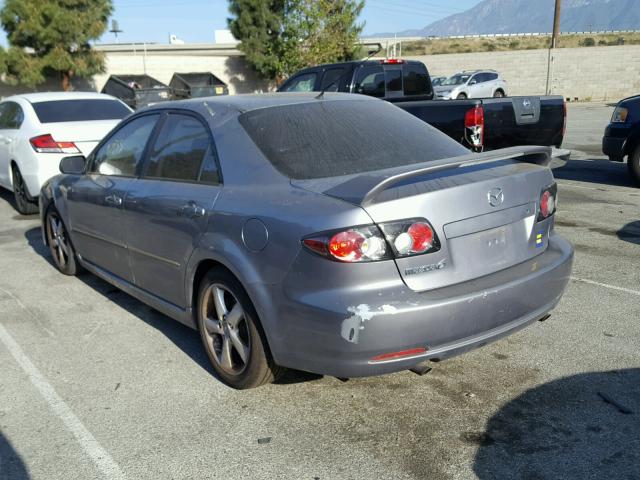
(331, 79)
(122, 152)
(11, 116)
(302, 83)
(179, 150)
(370, 81)
(491, 76)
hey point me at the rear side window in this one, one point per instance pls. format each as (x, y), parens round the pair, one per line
(11, 116)
(182, 144)
(393, 79)
(491, 76)
(122, 152)
(332, 138)
(331, 79)
(302, 83)
(370, 81)
(80, 110)
(416, 80)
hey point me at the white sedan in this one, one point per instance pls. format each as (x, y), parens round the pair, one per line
(38, 129)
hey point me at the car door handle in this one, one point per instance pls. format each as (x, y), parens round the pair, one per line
(191, 210)
(113, 200)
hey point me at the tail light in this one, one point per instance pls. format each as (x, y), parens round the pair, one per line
(548, 202)
(373, 243)
(474, 126)
(392, 61)
(46, 144)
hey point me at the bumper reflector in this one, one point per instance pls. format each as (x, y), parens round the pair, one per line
(385, 357)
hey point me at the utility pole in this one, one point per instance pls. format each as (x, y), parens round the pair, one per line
(554, 45)
(556, 25)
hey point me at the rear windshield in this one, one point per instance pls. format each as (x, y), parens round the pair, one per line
(332, 138)
(80, 110)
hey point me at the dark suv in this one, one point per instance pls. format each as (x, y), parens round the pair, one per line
(622, 136)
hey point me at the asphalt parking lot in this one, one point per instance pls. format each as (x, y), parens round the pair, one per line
(95, 384)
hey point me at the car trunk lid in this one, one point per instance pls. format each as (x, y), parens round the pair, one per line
(86, 135)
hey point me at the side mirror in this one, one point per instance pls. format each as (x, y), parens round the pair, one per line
(73, 165)
(473, 82)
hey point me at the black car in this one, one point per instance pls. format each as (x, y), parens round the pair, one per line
(622, 136)
(477, 123)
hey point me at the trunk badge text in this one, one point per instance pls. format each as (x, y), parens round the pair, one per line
(426, 268)
(496, 197)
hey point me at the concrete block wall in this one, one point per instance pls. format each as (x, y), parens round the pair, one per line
(596, 73)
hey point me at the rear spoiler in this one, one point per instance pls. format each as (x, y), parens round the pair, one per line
(363, 189)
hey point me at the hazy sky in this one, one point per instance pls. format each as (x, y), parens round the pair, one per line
(195, 20)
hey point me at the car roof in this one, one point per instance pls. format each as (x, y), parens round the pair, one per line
(253, 101)
(53, 96)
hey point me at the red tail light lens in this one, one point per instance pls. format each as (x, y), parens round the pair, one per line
(392, 61)
(386, 357)
(372, 243)
(474, 126)
(46, 144)
(548, 202)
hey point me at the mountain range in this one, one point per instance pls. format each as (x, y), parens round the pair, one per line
(533, 16)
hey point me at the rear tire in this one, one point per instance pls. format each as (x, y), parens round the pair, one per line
(64, 256)
(498, 94)
(461, 96)
(231, 333)
(24, 204)
(633, 164)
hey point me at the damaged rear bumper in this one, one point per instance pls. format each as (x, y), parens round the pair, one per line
(338, 331)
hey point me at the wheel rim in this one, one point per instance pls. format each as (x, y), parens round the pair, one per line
(19, 188)
(225, 329)
(58, 240)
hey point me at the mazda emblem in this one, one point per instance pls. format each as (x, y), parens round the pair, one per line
(496, 197)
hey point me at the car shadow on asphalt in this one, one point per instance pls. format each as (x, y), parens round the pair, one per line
(12, 466)
(630, 232)
(185, 338)
(577, 427)
(598, 171)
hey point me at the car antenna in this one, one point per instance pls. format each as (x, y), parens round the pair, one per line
(320, 96)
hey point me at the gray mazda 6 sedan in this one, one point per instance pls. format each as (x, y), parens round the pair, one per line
(335, 233)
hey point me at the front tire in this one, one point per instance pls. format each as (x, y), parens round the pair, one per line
(64, 256)
(498, 94)
(633, 164)
(231, 334)
(24, 204)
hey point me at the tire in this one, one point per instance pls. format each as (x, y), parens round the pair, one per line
(461, 96)
(64, 256)
(231, 333)
(24, 204)
(498, 94)
(633, 164)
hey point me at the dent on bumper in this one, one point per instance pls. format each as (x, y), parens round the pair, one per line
(339, 336)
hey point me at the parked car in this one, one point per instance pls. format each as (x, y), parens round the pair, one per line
(296, 232)
(472, 84)
(38, 129)
(479, 124)
(436, 81)
(622, 136)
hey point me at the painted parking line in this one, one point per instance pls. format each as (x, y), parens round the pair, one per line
(606, 285)
(103, 461)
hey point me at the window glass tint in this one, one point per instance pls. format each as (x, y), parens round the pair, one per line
(303, 83)
(324, 139)
(332, 77)
(393, 78)
(370, 81)
(478, 77)
(11, 115)
(492, 76)
(80, 110)
(123, 151)
(179, 149)
(210, 173)
(457, 79)
(416, 80)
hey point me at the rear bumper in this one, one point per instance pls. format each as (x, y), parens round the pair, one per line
(40, 169)
(339, 333)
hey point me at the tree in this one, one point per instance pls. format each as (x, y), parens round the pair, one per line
(279, 37)
(51, 37)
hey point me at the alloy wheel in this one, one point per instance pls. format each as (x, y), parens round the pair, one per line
(225, 329)
(57, 237)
